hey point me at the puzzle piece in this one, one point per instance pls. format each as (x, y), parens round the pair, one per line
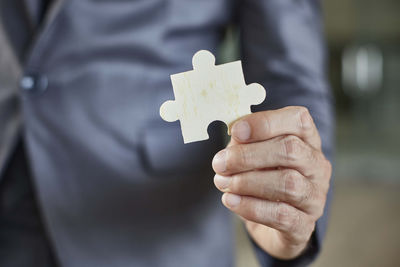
(209, 93)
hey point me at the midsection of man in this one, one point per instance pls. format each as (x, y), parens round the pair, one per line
(109, 190)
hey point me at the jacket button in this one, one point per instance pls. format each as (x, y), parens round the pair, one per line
(34, 83)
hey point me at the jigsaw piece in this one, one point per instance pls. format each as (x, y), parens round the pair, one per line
(209, 93)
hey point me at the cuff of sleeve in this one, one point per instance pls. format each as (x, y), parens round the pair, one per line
(304, 259)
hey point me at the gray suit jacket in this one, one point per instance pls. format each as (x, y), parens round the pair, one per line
(116, 184)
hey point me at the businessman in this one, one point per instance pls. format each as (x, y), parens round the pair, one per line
(91, 175)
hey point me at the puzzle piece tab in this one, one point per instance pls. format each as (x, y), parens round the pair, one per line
(209, 93)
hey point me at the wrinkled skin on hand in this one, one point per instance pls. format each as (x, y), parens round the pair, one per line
(275, 176)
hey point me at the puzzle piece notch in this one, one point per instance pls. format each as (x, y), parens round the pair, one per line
(209, 93)
(202, 60)
(257, 94)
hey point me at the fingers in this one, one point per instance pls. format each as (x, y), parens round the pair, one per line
(287, 186)
(284, 151)
(265, 125)
(273, 173)
(277, 215)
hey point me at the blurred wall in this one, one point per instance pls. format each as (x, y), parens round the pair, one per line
(363, 38)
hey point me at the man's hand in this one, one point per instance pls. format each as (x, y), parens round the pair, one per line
(275, 177)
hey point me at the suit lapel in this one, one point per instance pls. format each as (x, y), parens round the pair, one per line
(32, 8)
(49, 18)
(51, 13)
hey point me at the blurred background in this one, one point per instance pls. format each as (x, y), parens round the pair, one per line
(363, 38)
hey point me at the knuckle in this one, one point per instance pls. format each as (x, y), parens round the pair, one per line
(318, 200)
(292, 146)
(295, 222)
(328, 168)
(304, 117)
(242, 156)
(281, 216)
(236, 157)
(237, 183)
(314, 157)
(293, 186)
(301, 109)
(305, 234)
(256, 212)
(267, 124)
(319, 213)
(286, 218)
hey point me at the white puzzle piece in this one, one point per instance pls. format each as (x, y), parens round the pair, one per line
(209, 93)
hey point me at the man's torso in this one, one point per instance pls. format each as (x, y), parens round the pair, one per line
(110, 190)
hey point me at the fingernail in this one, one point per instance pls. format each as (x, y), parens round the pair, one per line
(231, 200)
(221, 182)
(241, 130)
(219, 161)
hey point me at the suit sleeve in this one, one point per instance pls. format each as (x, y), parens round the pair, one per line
(282, 47)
